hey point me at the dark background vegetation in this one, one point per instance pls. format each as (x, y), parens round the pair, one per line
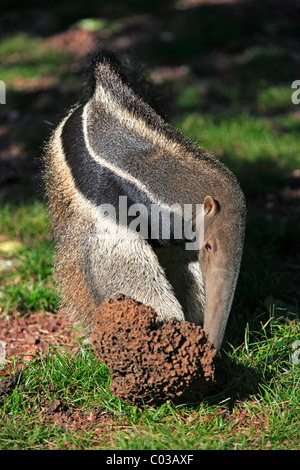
(228, 61)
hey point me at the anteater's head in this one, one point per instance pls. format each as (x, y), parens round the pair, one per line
(220, 258)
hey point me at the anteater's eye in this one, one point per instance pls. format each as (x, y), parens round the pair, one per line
(208, 247)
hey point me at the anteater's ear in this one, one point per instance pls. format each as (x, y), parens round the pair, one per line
(211, 208)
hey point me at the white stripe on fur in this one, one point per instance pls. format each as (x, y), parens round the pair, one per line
(117, 113)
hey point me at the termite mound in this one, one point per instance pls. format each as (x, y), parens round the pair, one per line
(151, 362)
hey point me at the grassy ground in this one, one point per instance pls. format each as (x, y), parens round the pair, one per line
(230, 84)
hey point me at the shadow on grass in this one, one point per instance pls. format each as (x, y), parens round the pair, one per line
(234, 382)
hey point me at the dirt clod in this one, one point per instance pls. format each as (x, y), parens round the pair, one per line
(151, 362)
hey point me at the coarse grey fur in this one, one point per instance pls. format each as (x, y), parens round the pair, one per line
(117, 145)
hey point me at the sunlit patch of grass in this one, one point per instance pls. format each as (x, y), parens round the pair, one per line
(24, 57)
(26, 272)
(28, 221)
(99, 24)
(245, 137)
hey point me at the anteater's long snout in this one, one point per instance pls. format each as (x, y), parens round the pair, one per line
(219, 287)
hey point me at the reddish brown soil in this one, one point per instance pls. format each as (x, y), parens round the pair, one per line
(151, 363)
(23, 337)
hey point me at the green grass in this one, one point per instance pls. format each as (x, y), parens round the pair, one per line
(248, 145)
(23, 57)
(81, 383)
(245, 137)
(27, 267)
